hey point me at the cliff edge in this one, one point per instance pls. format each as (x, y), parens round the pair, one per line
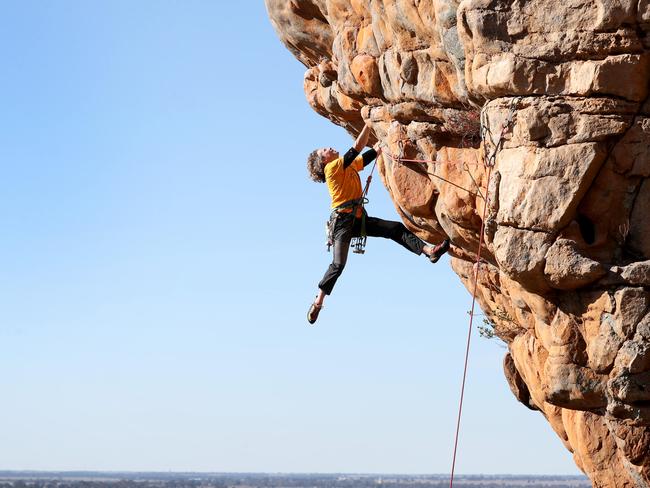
(550, 100)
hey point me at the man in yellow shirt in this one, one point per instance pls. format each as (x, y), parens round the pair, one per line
(342, 177)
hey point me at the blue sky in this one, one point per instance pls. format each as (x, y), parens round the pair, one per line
(161, 245)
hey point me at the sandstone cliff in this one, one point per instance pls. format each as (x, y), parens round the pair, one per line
(566, 260)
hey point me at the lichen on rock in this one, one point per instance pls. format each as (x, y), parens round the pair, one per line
(566, 252)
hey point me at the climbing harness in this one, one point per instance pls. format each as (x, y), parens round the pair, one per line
(358, 244)
(336, 213)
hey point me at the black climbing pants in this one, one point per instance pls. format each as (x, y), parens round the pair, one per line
(346, 226)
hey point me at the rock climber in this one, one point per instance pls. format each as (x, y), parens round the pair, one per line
(348, 215)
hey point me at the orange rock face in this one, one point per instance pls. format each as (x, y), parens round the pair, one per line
(553, 97)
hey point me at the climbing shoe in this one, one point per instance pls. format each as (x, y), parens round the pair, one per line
(439, 250)
(312, 315)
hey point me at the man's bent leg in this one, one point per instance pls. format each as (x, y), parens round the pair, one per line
(395, 231)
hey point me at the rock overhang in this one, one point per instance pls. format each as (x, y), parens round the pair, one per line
(564, 275)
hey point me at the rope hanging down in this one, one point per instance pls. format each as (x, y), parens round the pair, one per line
(489, 163)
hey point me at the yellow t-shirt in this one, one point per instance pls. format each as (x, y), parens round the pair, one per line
(344, 184)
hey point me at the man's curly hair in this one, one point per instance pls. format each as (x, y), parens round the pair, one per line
(315, 167)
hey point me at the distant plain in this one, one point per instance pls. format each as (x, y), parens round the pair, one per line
(91, 479)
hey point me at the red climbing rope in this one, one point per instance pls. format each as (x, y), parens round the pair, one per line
(469, 330)
(369, 180)
(400, 160)
(476, 272)
(424, 161)
(489, 163)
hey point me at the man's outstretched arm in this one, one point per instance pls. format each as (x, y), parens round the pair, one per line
(362, 139)
(359, 144)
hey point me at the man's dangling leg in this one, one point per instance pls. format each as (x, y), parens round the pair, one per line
(340, 251)
(344, 228)
(342, 234)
